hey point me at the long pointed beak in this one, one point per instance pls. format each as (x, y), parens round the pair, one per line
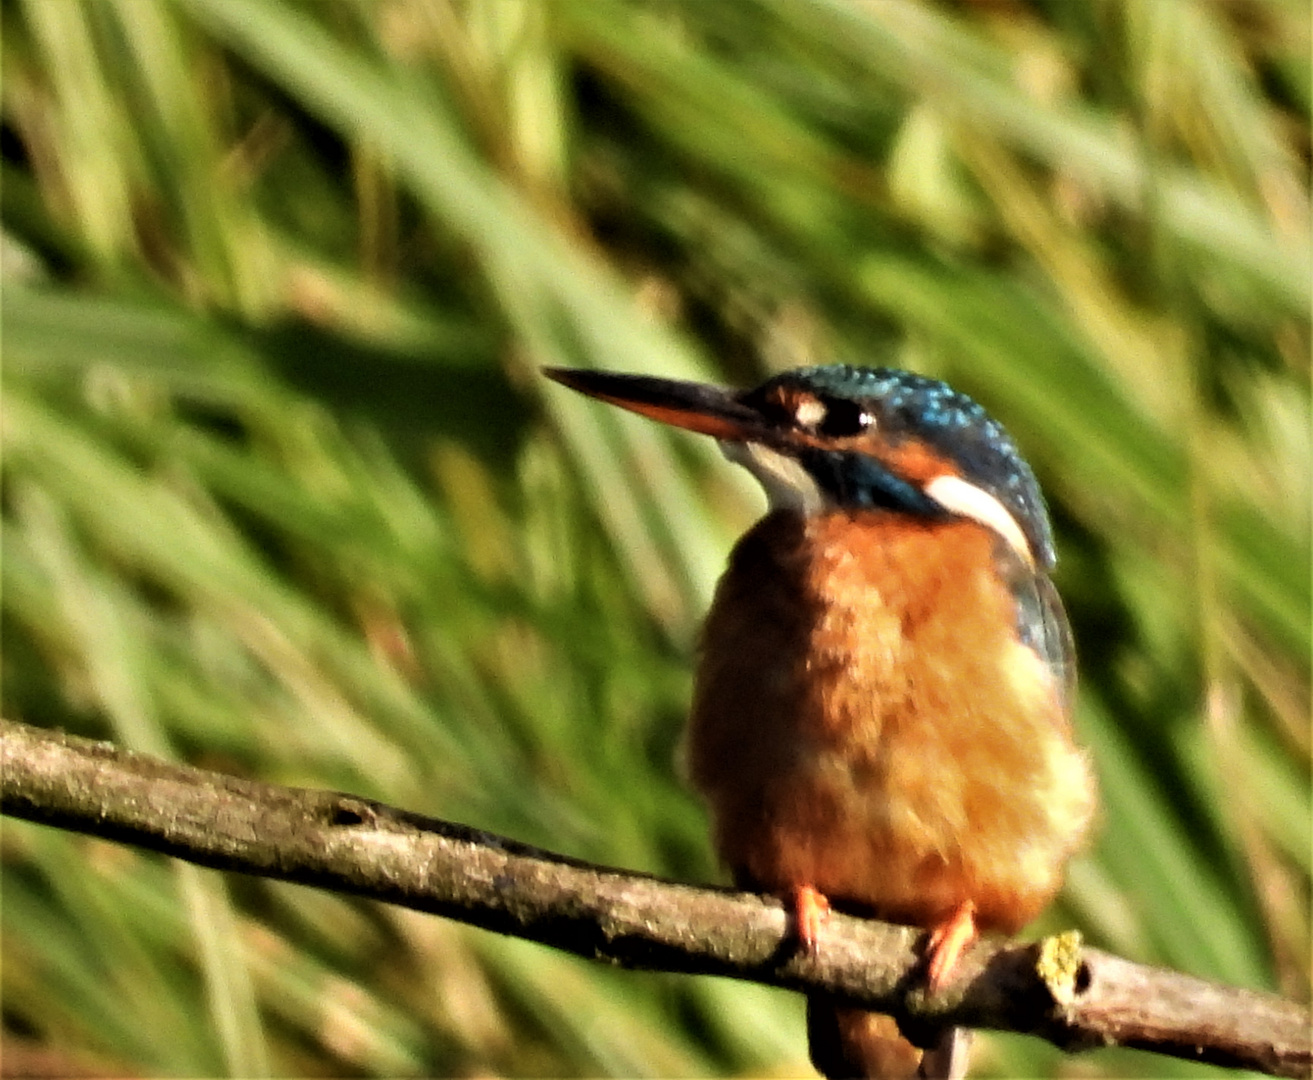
(705, 409)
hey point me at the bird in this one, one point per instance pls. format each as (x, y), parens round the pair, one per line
(881, 713)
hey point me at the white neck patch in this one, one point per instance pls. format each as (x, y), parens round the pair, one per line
(960, 497)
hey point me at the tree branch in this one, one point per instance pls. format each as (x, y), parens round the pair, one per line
(1073, 996)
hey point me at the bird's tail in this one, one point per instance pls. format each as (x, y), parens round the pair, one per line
(847, 1043)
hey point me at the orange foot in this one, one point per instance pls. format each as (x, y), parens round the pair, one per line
(810, 909)
(947, 943)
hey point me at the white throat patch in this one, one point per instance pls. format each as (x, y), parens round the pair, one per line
(788, 485)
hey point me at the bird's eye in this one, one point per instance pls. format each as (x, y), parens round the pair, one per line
(844, 417)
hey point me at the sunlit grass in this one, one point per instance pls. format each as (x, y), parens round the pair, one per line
(285, 495)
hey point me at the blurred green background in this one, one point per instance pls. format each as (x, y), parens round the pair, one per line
(285, 495)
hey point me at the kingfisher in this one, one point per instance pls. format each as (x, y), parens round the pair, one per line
(881, 714)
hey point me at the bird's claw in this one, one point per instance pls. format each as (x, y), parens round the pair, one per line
(810, 910)
(948, 941)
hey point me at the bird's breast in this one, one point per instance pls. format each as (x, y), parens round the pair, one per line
(867, 721)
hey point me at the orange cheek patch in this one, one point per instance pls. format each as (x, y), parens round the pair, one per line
(915, 461)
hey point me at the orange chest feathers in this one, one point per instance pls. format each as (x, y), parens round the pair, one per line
(866, 722)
